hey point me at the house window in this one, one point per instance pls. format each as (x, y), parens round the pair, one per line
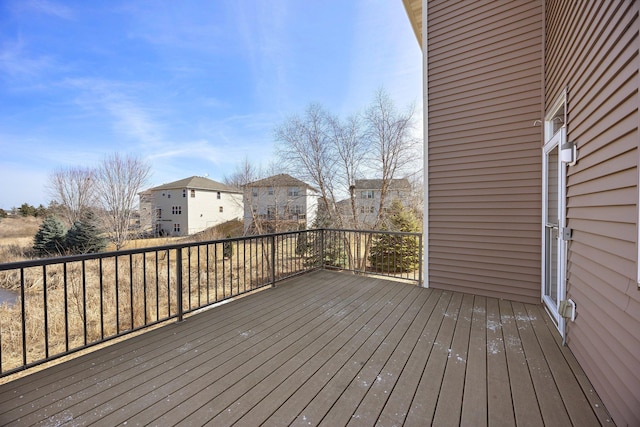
(367, 194)
(361, 209)
(176, 228)
(221, 209)
(371, 209)
(168, 196)
(254, 192)
(176, 210)
(158, 213)
(218, 195)
(297, 210)
(293, 192)
(193, 193)
(270, 191)
(184, 192)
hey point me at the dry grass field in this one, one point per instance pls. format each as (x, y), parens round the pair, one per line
(16, 238)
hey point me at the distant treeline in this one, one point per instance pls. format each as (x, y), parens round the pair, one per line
(28, 210)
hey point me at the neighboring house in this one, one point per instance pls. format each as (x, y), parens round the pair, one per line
(531, 168)
(190, 205)
(146, 211)
(368, 193)
(277, 203)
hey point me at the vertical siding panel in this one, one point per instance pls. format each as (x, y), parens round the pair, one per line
(592, 50)
(484, 75)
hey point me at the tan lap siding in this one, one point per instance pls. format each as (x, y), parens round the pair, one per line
(485, 72)
(592, 50)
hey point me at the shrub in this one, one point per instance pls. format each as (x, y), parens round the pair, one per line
(227, 248)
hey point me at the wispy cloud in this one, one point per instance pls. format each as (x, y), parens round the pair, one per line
(16, 63)
(262, 29)
(48, 8)
(383, 29)
(129, 117)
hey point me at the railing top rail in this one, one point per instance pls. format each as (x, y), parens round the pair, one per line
(84, 257)
(401, 233)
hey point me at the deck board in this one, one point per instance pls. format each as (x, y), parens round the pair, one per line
(474, 403)
(324, 348)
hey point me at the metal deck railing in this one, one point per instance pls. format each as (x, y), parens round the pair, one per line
(69, 303)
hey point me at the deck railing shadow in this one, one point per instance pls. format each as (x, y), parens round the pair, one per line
(69, 303)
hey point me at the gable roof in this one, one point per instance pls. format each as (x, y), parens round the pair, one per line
(375, 184)
(197, 183)
(280, 180)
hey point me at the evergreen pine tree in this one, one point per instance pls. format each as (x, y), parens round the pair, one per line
(49, 240)
(396, 253)
(84, 237)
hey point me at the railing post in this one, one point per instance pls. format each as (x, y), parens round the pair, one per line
(273, 260)
(322, 248)
(179, 282)
(420, 281)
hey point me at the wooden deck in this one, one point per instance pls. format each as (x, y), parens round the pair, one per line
(324, 348)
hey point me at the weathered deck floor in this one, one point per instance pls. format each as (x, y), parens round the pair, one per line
(323, 348)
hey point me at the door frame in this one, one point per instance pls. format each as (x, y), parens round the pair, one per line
(555, 135)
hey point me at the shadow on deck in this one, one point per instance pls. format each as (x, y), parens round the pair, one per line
(324, 348)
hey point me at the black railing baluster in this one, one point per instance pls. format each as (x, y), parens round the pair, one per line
(101, 301)
(215, 268)
(117, 288)
(46, 322)
(207, 274)
(131, 291)
(84, 301)
(168, 283)
(199, 280)
(144, 286)
(66, 307)
(179, 281)
(23, 318)
(157, 288)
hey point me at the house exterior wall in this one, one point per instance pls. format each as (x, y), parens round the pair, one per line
(204, 210)
(181, 214)
(260, 202)
(368, 202)
(592, 53)
(485, 64)
(164, 218)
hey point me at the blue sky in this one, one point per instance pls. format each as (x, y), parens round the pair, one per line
(192, 87)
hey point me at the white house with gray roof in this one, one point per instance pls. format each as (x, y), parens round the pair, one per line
(279, 202)
(190, 205)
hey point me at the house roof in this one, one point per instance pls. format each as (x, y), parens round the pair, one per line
(280, 180)
(376, 184)
(197, 183)
(414, 12)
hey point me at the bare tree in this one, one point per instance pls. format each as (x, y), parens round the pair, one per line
(331, 154)
(391, 145)
(350, 147)
(305, 148)
(245, 173)
(119, 179)
(74, 190)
